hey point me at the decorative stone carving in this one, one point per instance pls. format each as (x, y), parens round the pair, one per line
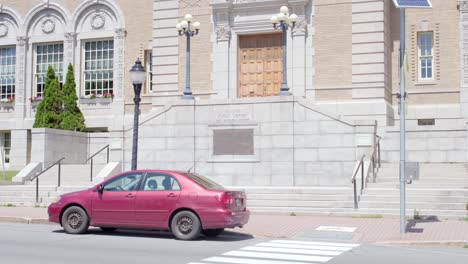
(3, 30)
(22, 41)
(463, 5)
(70, 38)
(223, 33)
(119, 45)
(98, 21)
(189, 3)
(300, 28)
(48, 26)
(21, 44)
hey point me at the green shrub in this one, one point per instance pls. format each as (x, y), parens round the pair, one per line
(71, 116)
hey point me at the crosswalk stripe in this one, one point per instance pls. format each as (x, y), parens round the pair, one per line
(276, 256)
(294, 251)
(279, 245)
(315, 243)
(250, 261)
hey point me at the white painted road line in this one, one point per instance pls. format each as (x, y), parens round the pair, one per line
(282, 252)
(344, 229)
(250, 261)
(279, 245)
(246, 254)
(315, 243)
(294, 251)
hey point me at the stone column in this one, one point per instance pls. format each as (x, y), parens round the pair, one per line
(464, 57)
(69, 50)
(20, 87)
(298, 43)
(220, 71)
(119, 72)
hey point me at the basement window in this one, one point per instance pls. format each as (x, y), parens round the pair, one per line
(426, 122)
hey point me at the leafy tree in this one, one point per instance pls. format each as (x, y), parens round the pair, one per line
(71, 116)
(49, 109)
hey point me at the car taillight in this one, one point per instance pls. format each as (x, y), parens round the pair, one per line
(225, 199)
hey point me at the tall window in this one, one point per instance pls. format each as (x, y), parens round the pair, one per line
(99, 67)
(425, 47)
(48, 54)
(7, 72)
(6, 144)
(149, 69)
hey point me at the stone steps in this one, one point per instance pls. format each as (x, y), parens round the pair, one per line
(415, 198)
(300, 203)
(441, 214)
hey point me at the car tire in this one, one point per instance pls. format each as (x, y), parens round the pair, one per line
(108, 229)
(185, 225)
(75, 220)
(212, 232)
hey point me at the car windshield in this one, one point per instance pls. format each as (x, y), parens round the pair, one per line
(203, 181)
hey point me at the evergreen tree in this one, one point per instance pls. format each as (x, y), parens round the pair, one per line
(72, 118)
(48, 110)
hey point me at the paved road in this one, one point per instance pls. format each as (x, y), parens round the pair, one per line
(48, 244)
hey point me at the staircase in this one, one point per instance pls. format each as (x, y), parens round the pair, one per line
(74, 177)
(299, 200)
(442, 191)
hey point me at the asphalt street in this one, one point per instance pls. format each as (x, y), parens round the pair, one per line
(48, 244)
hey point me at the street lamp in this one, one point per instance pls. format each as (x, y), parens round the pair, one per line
(137, 76)
(184, 29)
(285, 21)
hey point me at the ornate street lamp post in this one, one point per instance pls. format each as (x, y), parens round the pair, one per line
(138, 76)
(284, 21)
(185, 30)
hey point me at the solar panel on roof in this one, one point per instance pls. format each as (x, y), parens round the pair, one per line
(412, 3)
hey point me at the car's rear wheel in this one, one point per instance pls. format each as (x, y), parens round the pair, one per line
(108, 229)
(212, 232)
(75, 220)
(185, 225)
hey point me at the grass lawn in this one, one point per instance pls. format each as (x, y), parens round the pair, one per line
(8, 175)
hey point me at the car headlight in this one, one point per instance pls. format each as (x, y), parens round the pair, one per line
(56, 200)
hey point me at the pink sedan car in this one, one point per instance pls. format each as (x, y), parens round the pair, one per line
(185, 203)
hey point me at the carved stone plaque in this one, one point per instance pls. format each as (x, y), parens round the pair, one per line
(233, 142)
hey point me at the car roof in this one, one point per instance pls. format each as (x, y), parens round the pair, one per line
(157, 170)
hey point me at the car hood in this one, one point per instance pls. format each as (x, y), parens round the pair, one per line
(74, 194)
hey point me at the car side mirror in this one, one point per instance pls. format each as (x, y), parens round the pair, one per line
(100, 188)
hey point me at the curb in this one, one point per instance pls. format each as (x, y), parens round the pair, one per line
(25, 220)
(453, 243)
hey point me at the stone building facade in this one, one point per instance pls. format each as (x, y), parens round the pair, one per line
(343, 72)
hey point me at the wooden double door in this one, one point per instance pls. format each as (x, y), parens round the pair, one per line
(260, 65)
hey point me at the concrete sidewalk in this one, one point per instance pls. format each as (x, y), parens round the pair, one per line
(367, 230)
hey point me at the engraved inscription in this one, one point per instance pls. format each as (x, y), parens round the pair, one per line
(233, 142)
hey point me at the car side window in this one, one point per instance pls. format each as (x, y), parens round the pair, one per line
(160, 182)
(127, 182)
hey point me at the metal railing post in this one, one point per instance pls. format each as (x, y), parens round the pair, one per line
(59, 173)
(378, 151)
(373, 170)
(37, 190)
(362, 175)
(91, 174)
(107, 153)
(355, 196)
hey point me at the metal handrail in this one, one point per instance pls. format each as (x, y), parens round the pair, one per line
(42, 172)
(374, 159)
(359, 165)
(375, 155)
(91, 158)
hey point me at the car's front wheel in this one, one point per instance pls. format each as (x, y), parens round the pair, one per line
(212, 232)
(185, 225)
(75, 220)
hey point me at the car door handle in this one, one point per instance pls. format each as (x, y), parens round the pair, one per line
(171, 195)
(130, 195)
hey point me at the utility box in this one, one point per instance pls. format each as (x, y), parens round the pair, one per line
(412, 171)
